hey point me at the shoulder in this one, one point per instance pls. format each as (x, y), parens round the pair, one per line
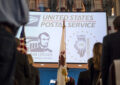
(90, 61)
(107, 38)
(33, 68)
(111, 37)
(20, 56)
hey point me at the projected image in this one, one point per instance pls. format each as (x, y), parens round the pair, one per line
(42, 45)
(43, 42)
(80, 45)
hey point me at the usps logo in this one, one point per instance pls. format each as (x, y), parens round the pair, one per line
(33, 20)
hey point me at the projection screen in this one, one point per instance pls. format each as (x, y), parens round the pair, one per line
(83, 30)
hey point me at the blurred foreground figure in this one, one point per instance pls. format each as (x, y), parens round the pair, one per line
(13, 13)
(22, 70)
(111, 51)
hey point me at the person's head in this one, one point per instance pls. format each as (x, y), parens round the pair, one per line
(97, 53)
(116, 23)
(44, 39)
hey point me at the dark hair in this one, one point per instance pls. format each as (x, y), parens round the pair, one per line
(116, 23)
(44, 33)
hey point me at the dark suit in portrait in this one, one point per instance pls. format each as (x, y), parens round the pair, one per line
(111, 51)
(84, 78)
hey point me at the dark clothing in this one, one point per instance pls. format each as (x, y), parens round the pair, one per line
(52, 4)
(111, 51)
(94, 74)
(22, 69)
(84, 78)
(13, 12)
(70, 5)
(91, 69)
(34, 79)
(71, 81)
(7, 57)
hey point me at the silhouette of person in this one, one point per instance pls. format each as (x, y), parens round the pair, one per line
(13, 14)
(43, 43)
(111, 51)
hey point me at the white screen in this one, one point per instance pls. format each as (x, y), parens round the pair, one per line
(83, 30)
